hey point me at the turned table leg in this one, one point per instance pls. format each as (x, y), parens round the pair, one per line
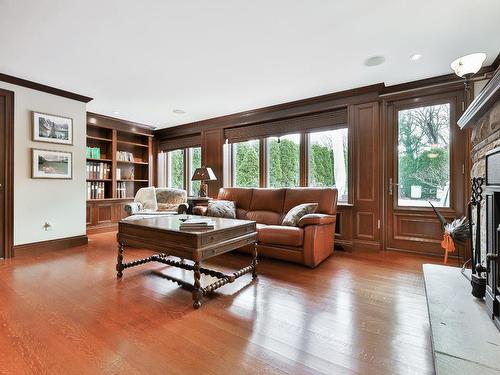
(119, 261)
(254, 261)
(197, 286)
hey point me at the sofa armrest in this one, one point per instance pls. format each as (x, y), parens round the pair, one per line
(200, 210)
(133, 207)
(316, 219)
(183, 208)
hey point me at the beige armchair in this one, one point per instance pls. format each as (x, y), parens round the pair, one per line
(153, 200)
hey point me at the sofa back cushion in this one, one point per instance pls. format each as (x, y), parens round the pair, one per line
(266, 206)
(326, 198)
(171, 196)
(240, 196)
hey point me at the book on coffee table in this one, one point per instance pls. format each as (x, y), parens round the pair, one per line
(197, 224)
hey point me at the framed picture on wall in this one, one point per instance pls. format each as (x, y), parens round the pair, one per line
(52, 129)
(51, 164)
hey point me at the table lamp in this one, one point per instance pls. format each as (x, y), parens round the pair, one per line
(203, 174)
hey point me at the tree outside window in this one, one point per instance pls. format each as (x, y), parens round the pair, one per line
(194, 162)
(246, 164)
(283, 161)
(176, 169)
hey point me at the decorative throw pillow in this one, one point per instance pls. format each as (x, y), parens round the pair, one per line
(147, 196)
(293, 216)
(220, 208)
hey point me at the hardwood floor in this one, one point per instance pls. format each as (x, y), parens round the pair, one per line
(64, 312)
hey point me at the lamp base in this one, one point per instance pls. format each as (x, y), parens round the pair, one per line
(203, 189)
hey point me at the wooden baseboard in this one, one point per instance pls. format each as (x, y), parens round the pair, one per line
(58, 244)
(365, 245)
(342, 245)
(102, 229)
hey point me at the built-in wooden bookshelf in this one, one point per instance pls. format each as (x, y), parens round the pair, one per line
(120, 167)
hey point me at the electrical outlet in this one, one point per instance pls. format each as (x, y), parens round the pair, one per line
(47, 226)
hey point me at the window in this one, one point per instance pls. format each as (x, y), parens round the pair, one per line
(176, 169)
(327, 160)
(194, 157)
(245, 164)
(424, 156)
(283, 161)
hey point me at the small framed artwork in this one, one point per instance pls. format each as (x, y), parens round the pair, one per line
(52, 129)
(51, 164)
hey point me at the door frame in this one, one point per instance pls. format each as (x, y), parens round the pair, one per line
(455, 96)
(8, 167)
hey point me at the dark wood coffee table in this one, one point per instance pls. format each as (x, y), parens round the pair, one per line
(163, 234)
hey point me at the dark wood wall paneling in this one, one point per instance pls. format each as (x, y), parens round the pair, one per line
(366, 174)
(212, 143)
(6, 173)
(361, 219)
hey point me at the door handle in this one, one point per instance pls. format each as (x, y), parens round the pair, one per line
(391, 184)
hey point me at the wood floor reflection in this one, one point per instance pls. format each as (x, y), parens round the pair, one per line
(64, 312)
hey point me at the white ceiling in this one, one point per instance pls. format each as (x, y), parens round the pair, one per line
(210, 58)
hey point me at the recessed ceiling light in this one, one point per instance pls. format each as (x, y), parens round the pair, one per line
(179, 111)
(415, 57)
(374, 60)
(116, 112)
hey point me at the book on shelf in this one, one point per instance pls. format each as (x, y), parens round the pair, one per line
(121, 190)
(197, 224)
(93, 152)
(96, 190)
(98, 171)
(124, 156)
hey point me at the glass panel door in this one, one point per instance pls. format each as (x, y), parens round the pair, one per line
(424, 156)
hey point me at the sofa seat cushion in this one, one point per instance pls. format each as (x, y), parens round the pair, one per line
(168, 207)
(280, 235)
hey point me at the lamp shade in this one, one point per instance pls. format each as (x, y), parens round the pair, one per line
(203, 174)
(468, 64)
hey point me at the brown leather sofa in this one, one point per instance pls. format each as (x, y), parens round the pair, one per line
(309, 243)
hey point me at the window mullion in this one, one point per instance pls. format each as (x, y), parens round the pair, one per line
(187, 167)
(263, 162)
(303, 159)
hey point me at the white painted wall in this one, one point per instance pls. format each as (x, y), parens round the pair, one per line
(59, 202)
